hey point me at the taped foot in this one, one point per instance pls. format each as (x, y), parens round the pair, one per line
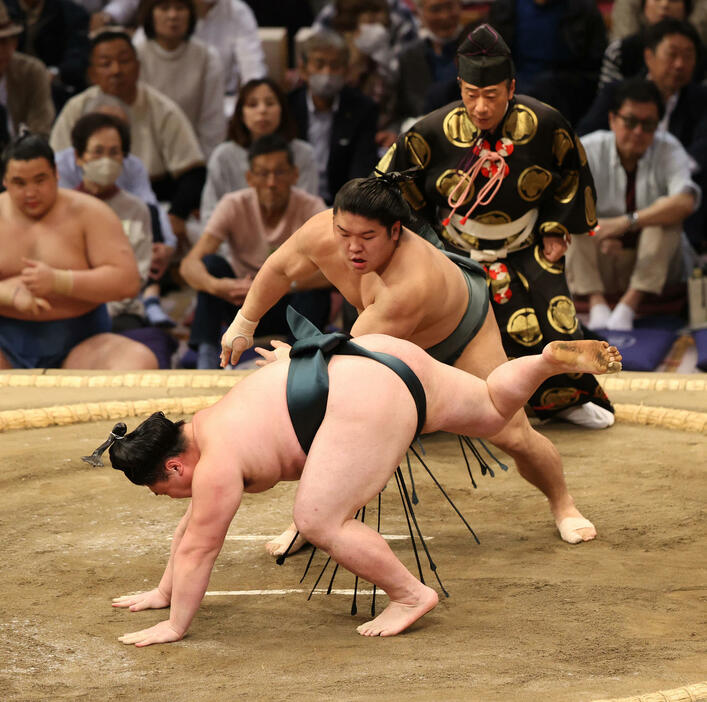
(279, 545)
(574, 530)
(588, 415)
(398, 616)
(584, 356)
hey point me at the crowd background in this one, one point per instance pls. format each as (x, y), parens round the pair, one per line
(234, 121)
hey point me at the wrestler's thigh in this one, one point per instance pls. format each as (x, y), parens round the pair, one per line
(485, 351)
(360, 443)
(110, 352)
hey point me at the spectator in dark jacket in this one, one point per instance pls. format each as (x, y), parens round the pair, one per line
(55, 32)
(557, 46)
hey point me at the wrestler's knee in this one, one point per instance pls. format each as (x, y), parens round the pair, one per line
(515, 437)
(312, 524)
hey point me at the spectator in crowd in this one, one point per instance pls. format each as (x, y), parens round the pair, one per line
(644, 193)
(430, 60)
(339, 121)
(254, 222)
(55, 32)
(261, 110)
(181, 67)
(160, 133)
(626, 16)
(133, 179)
(24, 84)
(403, 25)
(70, 250)
(557, 47)
(122, 13)
(230, 27)
(101, 142)
(670, 58)
(372, 66)
(623, 58)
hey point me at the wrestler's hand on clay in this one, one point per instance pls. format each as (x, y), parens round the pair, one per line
(24, 301)
(153, 599)
(554, 248)
(38, 277)
(280, 350)
(160, 633)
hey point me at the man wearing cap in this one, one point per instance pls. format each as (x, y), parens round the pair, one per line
(504, 180)
(25, 97)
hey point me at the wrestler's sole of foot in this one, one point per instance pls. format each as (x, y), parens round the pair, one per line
(585, 356)
(398, 616)
(279, 545)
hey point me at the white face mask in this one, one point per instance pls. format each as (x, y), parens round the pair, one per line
(372, 38)
(103, 171)
(325, 85)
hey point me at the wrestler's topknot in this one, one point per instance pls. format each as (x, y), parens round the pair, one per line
(375, 198)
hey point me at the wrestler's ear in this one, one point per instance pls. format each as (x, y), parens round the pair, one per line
(395, 230)
(174, 466)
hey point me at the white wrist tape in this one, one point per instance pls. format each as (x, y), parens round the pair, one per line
(282, 352)
(240, 327)
(63, 281)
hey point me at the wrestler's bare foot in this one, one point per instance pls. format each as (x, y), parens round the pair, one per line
(398, 616)
(585, 356)
(573, 527)
(279, 545)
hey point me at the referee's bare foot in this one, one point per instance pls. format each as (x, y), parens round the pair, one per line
(398, 616)
(584, 356)
(279, 545)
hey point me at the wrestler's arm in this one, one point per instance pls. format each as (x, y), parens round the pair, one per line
(216, 495)
(16, 295)
(112, 272)
(289, 264)
(390, 313)
(160, 596)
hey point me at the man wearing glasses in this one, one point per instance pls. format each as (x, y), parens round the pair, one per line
(644, 192)
(253, 222)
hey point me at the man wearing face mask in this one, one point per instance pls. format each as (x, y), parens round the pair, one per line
(101, 142)
(339, 121)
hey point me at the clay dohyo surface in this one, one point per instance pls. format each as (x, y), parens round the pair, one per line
(529, 618)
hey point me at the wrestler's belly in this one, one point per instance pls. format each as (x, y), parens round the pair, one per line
(61, 309)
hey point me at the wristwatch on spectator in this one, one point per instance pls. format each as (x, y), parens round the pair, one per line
(633, 221)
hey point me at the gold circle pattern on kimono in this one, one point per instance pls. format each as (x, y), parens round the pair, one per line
(558, 397)
(521, 125)
(418, 148)
(448, 181)
(567, 188)
(562, 315)
(493, 217)
(523, 327)
(561, 145)
(557, 267)
(386, 159)
(459, 129)
(532, 183)
(590, 209)
(580, 150)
